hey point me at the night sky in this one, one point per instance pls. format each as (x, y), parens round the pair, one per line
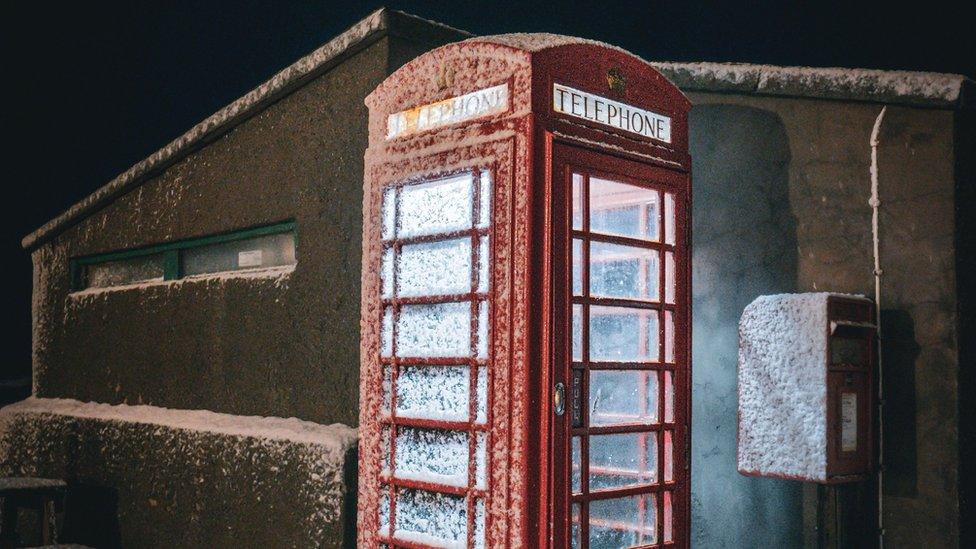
(93, 88)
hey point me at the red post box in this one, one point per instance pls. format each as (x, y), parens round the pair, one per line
(526, 300)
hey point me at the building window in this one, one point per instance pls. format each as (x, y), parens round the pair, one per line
(256, 248)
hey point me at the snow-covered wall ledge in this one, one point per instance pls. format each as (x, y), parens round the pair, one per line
(928, 89)
(188, 478)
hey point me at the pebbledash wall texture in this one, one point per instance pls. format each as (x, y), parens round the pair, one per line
(122, 376)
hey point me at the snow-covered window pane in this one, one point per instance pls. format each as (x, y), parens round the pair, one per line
(386, 273)
(623, 522)
(386, 440)
(484, 265)
(623, 334)
(623, 271)
(386, 333)
(431, 518)
(438, 330)
(481, 457)
(432, 455)
(125, 271)
(389, 214)
(621, 460)
(437, 206)
(384, 511)
(387, 389)
(623, 396)
(481, 406)
(484, 206)
(435, 268)
(483, 329)
(434, 392)
(479, 523)
(622, 209)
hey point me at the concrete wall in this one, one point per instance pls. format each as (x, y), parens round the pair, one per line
(781, 204)
(283, 345)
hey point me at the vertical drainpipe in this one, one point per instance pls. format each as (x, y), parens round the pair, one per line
(875, 204)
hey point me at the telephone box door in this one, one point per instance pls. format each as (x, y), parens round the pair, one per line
(620, 365)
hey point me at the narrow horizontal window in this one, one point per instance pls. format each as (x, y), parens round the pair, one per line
(255, 248)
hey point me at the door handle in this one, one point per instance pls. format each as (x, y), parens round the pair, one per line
(559, 399)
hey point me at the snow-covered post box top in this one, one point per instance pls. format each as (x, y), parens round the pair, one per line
(454, 416)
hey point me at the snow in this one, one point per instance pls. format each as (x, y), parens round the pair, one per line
(279, 275)
(432, 455)
(433, 392)
(438, 330)
(336, 437)
(438, 520)
(435, 268)
(925, 88)
(782, 386)
(436, 206)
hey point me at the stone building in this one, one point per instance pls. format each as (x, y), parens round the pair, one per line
(184, 308)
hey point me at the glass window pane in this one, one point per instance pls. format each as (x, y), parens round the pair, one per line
(623, 271)
(439, 330)
(623, 522)
(147, 268)
(431, 518)
(384, 510)
(436, 207)
(669, 283)
(387, 389)
(576, 460)
(484, 264)
(668, 456)
(252, 253)
(386, 274)
(433, 392)
(576, 531)
(481, 406)
(386, 333)
(435, 268)
(388, 229)
(670, 230)
(479, 523)
(432, 455)
(668, 397)
(481, 460)
(668, 337)
(577, 330)
(623, 334)
(622, 209)
(484, 205)
(621, 460)
(623, 396)
(483, 329)
(577, 267)
(577, 201)
(668, 518)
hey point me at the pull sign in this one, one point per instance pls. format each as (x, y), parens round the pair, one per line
(617, 115)
(449, 111)
(559, 399)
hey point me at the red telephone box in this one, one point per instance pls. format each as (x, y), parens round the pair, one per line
(526, 300)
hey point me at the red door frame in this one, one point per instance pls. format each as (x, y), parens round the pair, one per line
(564, 157)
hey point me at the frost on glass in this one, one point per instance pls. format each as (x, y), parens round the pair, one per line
(125, 271)
(669, 277)
(433, 392)
(386, 438)
(577, 266)
(623, 396)
(577, 330)
(431, 518)
(483, 325)
(622, 460)
(384, 510)
(432, 455)
(481, 457)
(668, 457)
(435, 268)
(386, 332)
(668, 337)
(622, 209)
(479, 523)
(576, 459)
(481, 404)
(386, 273)
(623, 522)
(387, 389)
(388, 229)
(623, 271)
(623, 334)
(484, 264)
(438, 330)
(436, 206)
(669, 221)
(577, 202)
(484, 206)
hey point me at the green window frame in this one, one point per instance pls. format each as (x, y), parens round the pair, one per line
(172, 252)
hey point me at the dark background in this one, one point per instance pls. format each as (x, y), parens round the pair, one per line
(91, 89)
